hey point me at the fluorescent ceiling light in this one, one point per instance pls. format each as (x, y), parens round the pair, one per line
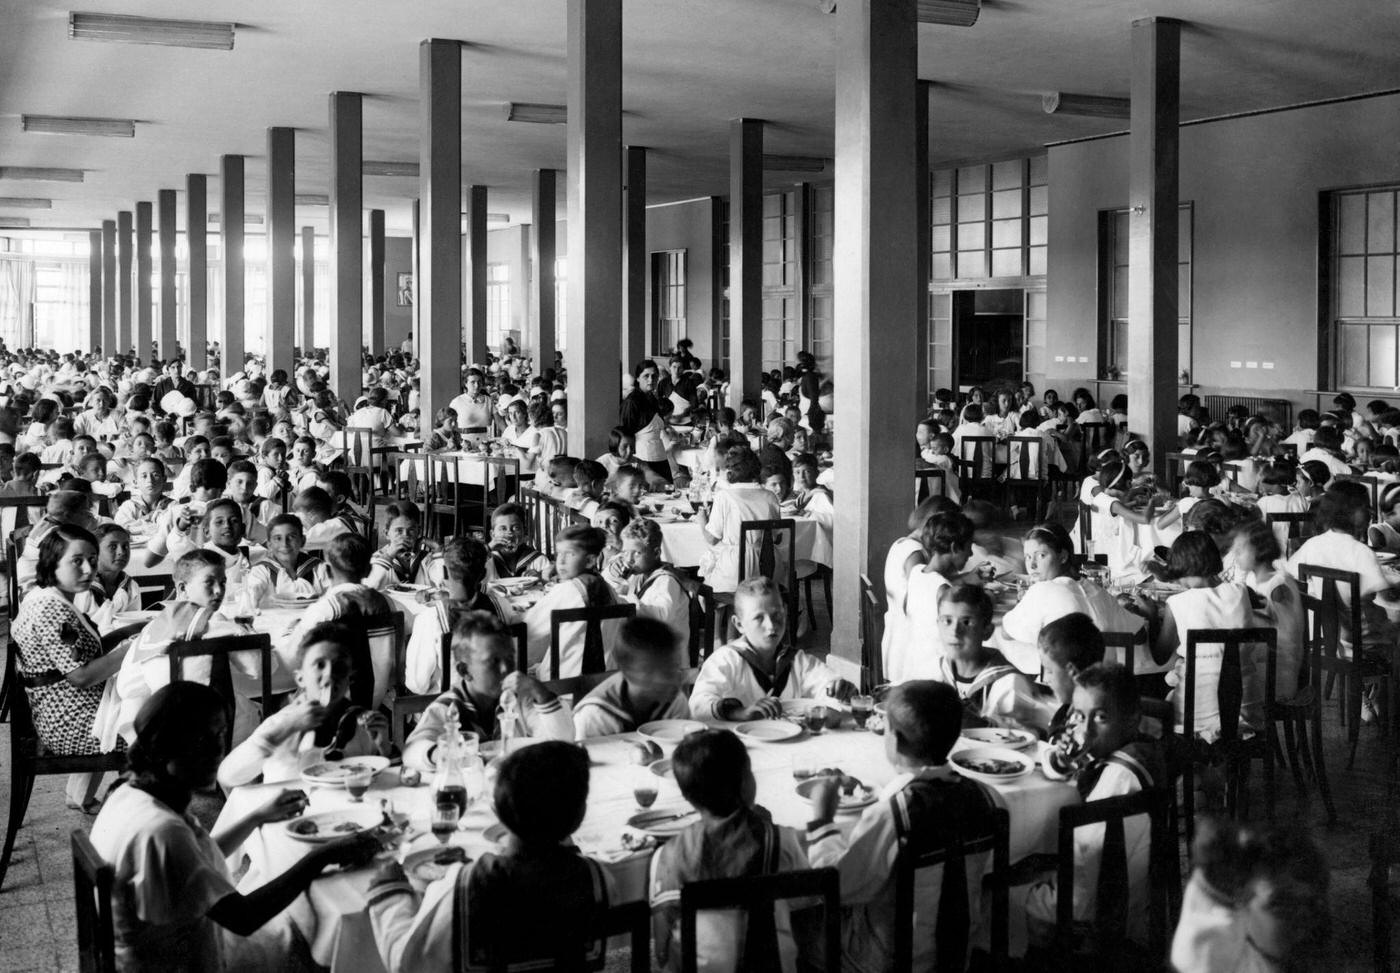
(1093, 106)
(793, 163)
(253, 218)
(121, 128)
(313, 199)
(497, 217)
(123, 29)
(24, 202)
(524, 111)
(953, 13)
(41, 174)
(389, 169)
(14, 222)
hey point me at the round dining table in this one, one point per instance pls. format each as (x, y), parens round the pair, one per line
(332, 917)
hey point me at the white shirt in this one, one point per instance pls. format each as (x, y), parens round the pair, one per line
(1047, 601)
(1224, 606)
(726, 674)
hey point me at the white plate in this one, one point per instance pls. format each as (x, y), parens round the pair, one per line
(859, 798)
(961, 759)
(422, 869)
(799, 707)
(995, 736)
(662, 768)
(287, 601)
(768, 731)
(664, 822)
(330, 825)
(334, 772)
(496, 833)
(668, 731)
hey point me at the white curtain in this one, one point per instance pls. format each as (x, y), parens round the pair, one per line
(16, 299)
(61, 314)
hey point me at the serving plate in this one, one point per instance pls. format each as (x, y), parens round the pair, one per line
(992, 765)
(768, 731)
(861, 796)
(669, 732)
(661, 822)
(334, 772)
(326, 826)
(996, 736)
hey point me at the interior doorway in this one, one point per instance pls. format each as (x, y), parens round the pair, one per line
(989, 346)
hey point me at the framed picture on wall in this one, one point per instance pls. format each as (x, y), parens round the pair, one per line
(403, 291)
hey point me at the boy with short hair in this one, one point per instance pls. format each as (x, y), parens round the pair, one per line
(287, 571)
(733, 838)
(256, 510)
(1104, 730)
(993, 691)
(924, 806)
(576, 554)
(302, 468)
(748, 678)
(488, 696)
(561, 476)
(1068, 646)
(590, 480)
(224, 534)
(347, 563)
(539, 899)
(512, 554)
(464, 564)
(141, 512)
(647, 687)
(316, 511)
(656, 588)
(196, 448)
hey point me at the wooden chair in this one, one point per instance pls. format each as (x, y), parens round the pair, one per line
(407, 704)
(872, 631)
(772, 556)
(823, 574)
(378, 666)
(976, 455)
(1328, 618)
(631, 919)
(521, 634)
(1125, 643)
(1025, 473)
(363, 460)
(1299, 528)
(1176, 468)
(1236, 751)
(1086, 535)
(1111, 906)
(929, 482)
(988, 835)
(545, 516)
(30, 759)
(17, 512)
(594, 654)
(92, 903)
(452, 499)
(154, 588)
(579, 686)
(1301, 716)
(220, 673)
(702, 623)
(757, 896)
(1098, 436)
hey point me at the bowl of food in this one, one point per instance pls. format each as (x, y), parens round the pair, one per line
(992, 765)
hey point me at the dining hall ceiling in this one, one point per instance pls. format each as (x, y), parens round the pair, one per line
(689, 66)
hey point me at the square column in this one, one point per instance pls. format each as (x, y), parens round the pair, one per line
(925, 248)
(347, 243)
(1153, 162)
(593, 354)
(144, 336)
(121, 338)
(95, 289)
(165, 205)
(439, 279)
(378, 339)
(109, 290)
(476, 276)
(306, 334)
(281, 253)
(876, 291)
(635, 256)
(745, 259)
(197, 243)
(543, 284)
(231, 240)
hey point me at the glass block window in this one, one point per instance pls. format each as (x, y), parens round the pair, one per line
(822, 223)
(667, 300)
(497, 304)
(1365, 315)
(781, 322)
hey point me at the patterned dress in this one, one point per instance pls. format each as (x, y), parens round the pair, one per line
(54, 638)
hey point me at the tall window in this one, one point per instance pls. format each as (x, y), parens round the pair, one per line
(1362, 299)
(822, 237)
(723, 358)
(990, 220)
(780, 309)
(667, 300)
(561, 307)
(497, 304)
(1113, 293)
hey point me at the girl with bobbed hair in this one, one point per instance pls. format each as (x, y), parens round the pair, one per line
(744, 499)
(174, 903)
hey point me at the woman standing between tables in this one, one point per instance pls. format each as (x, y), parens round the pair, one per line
(62, 663)
(174, 903)
(520, 437)
(641, 418)
(474, 408)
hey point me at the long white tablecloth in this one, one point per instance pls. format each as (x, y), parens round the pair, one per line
(682, 543)
(331, 914)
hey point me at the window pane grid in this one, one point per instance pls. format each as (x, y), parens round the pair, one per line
(1365, 297)
(1114, 327)
(990, 220)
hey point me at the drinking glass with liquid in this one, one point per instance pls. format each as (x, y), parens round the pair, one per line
(446, 816)
(861, 708)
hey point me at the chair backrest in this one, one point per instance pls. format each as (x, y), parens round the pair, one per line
(1125, 642)
(12, 577)
(986, 835)
(1327, 620)
(1176, 468)
(1025, 458)
(1297, 524)
(632, 919)
(592, 617)
(154, 588)
(17, 512)
(381, 658)
(1229, 691)
(579, 686)
(975, 457)
(929, 482)
(220, 676)
(520, 632)
(24, 739)
(702, 623)
(408, 476)
(92, 903)
(771, 554)
(1111, 899)
(546, 518)
(1098, 436)
(356, 444)
(872, 624)
(757, 895)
